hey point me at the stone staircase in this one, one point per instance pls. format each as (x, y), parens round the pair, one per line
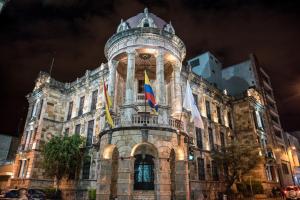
(144, 195)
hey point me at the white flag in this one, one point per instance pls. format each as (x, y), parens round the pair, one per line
(190, 105)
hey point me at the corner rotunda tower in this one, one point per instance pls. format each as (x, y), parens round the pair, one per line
(138, 156)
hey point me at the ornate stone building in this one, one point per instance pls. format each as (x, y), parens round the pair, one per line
(146, 154)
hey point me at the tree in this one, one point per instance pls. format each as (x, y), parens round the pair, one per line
(237, 160)
(62, 157)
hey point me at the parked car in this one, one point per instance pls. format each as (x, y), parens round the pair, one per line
(14, 193)
(35, 194)
(291, 193)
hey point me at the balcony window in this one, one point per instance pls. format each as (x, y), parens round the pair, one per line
(229, 119)
(199, 138)
(81, 104)
(141, 84)
(201, 169)
(208, 112)
(215, 171)
(90, 132)
(70, 110)
(211, 139)
(86, 167)
(285, 168)
(222, 138)
(94, 100)
(196, 100)
(219, 115)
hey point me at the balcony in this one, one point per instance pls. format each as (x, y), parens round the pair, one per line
(149, 120)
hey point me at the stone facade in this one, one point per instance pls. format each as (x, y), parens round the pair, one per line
(146, 154)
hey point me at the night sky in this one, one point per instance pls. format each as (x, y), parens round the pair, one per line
(76, 30)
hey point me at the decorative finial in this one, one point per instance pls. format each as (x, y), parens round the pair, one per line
(121, 20)
(146, 11)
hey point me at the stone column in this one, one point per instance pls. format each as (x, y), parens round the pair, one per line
(112, 66)
(177, 97)
(129, 97)
(128, 108)
(182, 180)
(124, 183)
(104, 180)
(164, 179)
(160, 87)
(160, 78)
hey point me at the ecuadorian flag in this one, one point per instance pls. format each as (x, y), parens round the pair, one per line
(149, 94)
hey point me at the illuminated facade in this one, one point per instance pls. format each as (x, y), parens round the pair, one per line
(145, 156)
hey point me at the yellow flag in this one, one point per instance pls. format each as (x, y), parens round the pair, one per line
(108, 105)
(108, 117)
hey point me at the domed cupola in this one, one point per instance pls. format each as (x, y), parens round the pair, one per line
(169, 28)
(146, 21)
(123, 26)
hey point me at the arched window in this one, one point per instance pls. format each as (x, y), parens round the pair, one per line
(143, 172)
(146, 23)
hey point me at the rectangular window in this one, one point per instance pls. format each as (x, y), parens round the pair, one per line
(285, 168)
(66, 133)
(262, 120)
(81, 104)
(20, 168)
(141, 86)
(211, 139)
(219, 115)
(208, 113)
(255, 119)
(222, 137)
(70, 110)
(86, 167)
(278, 133)
(195, 62)
(94, 100)
(90, 132)
(77, 129)
(196, 100)
(215, 171)
(199, 138)
(40, 108)
(229, 119)
(201, 169)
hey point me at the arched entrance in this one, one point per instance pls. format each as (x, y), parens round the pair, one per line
(143, 172)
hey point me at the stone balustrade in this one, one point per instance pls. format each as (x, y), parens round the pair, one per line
(149, 120)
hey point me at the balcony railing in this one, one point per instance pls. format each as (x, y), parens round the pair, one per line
(149, 120)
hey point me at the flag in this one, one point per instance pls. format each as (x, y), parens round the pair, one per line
(149, 95)
(108, 105)
(190, 105)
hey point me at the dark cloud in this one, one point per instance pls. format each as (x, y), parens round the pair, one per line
(31, 30)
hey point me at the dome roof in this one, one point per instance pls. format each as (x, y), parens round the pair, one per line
(145, 19)
(136, 20)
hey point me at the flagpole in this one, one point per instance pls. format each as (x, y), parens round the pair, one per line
(145, 109)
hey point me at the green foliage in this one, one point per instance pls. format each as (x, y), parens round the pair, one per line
(63, 156)
(238, 158)
(52, 193)
(245, 188)
(92, 194)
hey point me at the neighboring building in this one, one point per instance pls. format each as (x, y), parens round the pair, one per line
(293, 151)
(145, 156)
(8, 149)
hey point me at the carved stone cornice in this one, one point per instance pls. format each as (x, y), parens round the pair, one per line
(151, 37)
